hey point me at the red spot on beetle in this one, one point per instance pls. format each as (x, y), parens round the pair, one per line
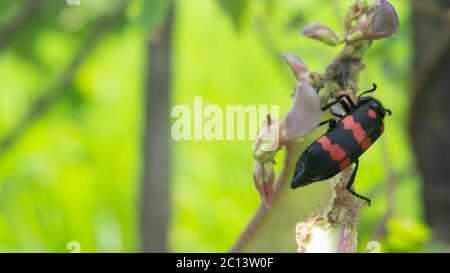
(344, 164)
(372, 113)
(358, 132)
(334, 150)
(366, 144)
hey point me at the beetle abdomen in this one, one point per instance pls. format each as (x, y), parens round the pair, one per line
(339, 147)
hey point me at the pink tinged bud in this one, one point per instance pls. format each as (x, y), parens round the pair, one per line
(382, 23)
(298, 67)
(304, 115)
(264, 177)
(385, 20)
(321, 33)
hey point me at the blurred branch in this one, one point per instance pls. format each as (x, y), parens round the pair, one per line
(381, 230)
(155, 191)
(438, 49)
(53, 93)
(431, 10)
(30, 8)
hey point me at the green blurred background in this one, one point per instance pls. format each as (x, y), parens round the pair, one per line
(73, 81)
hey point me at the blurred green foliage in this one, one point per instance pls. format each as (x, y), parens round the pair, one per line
(75, 174)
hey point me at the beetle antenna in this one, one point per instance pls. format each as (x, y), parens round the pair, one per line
(388, 111)
(374, 87)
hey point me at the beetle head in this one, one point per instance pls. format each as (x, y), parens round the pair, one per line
(375, 105)
(301, 176)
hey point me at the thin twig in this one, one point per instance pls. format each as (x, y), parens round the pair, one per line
(29, 9)
(381, 230)
(51, 95)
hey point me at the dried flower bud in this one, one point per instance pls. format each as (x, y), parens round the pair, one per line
(298, 67)
(321, 33)
(304, 115)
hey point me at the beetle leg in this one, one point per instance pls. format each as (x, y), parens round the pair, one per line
(331, 123)
(331, 104)
(350, 102)
(347, 105)
(350, 184)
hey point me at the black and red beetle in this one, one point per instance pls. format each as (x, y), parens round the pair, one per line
(344, 142)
